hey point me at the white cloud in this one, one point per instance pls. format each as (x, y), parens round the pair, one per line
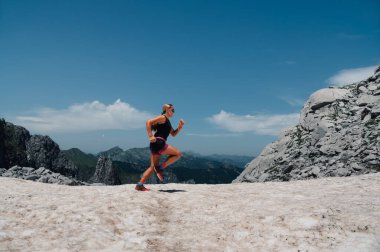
(85, 117)
(260, 124)
(294, 102)
(213, 135)
(350, 36)
(289, 62)
(286, 63)
(349, 76)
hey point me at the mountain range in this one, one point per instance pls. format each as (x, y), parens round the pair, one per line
(190, 168)
(338, 135)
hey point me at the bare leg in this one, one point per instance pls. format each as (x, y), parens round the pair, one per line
(174, 155)
(154, 161)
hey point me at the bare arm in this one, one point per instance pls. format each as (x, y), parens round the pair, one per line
(173, 132)
(150, 123)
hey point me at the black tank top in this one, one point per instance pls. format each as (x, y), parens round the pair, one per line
(163, 129)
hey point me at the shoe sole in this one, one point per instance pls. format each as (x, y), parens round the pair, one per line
(143, 190)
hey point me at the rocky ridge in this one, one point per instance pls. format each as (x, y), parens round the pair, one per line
(40, 175)
(23, 154)
(338, 135)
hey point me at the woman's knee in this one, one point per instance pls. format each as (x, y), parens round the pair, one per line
(177, 152)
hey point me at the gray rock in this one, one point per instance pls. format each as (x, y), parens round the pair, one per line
(43, 179)
(375, 112)
(335, 137)
(316, 170)
(263, 177)
(374, 162)
(105, 173)
(371, 157)
(325, 96)
(27, 169)
(363, 89)
(356, 166)
(40, 171)
(44, 152)
(33, 177)
(342, 172)
(18, 147)
(368, 99)
(12, 145)
(373, 87)
(41, 175)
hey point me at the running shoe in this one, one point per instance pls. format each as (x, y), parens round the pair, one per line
(141, 188)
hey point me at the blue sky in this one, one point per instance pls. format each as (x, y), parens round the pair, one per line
(89, 73)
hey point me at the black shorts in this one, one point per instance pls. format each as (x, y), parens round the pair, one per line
(158, 147)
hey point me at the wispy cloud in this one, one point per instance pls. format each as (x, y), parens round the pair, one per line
(287, 63)
(213, 135)
(350, 36)
(294, 102)
(85, 117)
(259, 124)
(349, 76)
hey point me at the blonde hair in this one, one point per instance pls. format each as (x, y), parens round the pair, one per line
(165, 107)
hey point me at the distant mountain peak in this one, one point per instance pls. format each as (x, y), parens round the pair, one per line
(116, 148)
(114, 151)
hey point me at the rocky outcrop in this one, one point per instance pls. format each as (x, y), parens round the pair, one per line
(18, 147)
(42, 151)
(105, 172)
(338, 135)
(13, 145)
(40, 175)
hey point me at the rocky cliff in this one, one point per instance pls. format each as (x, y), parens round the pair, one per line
(338, 135)
(105, 173)
(13, 145)
(18, 147)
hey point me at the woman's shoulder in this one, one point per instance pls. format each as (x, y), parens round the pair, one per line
(158, 119)
(162, 118)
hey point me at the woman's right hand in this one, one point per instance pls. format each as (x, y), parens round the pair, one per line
(152, 139)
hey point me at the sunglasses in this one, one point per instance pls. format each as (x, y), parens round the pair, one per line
(173, 110)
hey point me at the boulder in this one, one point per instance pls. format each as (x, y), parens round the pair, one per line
(312, 110)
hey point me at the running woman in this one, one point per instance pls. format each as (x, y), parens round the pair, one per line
(158, 146)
